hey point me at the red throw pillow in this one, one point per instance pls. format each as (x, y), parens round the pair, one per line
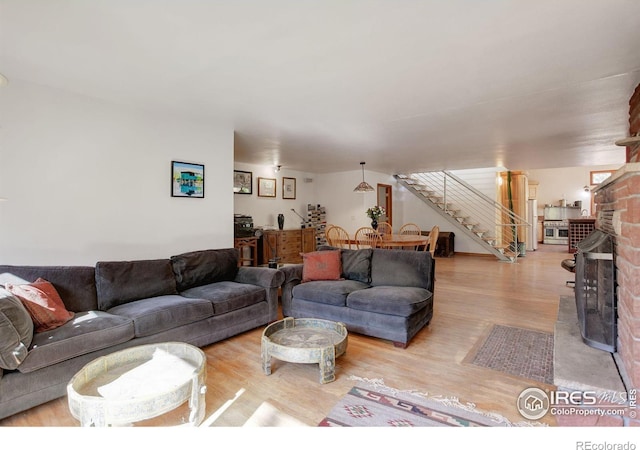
(322, 265)
(43, 302)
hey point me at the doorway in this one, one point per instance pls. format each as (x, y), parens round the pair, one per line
(385, 200)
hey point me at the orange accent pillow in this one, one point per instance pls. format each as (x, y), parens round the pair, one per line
(43, 303)
(322, 265)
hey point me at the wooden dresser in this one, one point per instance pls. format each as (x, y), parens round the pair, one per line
(286, 245)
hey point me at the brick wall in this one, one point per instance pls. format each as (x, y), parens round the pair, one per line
(619, 214)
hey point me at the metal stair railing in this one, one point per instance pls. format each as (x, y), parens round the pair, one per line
(486, 221)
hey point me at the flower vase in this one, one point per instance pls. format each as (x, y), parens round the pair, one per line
(374, 224)
(281, 221)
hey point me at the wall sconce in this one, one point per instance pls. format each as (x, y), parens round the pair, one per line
(277, 168)
(586, 188)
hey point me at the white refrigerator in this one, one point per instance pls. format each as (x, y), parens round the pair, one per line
(532, 218)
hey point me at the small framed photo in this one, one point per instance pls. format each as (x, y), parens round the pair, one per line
(187, 179)
(598, 176)
(242, 182)
(289, 188)
(266, 187)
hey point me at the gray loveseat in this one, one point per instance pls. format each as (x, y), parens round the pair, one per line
(384, 293)
(198, 297)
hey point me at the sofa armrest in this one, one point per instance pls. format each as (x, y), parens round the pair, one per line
(260, 276)
(292, 277)
(269, 279)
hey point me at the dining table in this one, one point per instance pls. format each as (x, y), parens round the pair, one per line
(402, 240)
(389, 241)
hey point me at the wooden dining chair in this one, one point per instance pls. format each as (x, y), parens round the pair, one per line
(338, 237)
(411, 229)
(433, 240)
(366, 237)
(385, 228)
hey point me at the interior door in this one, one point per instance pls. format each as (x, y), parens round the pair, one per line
(385, 200)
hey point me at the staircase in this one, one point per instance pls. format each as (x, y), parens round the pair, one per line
(481, 218)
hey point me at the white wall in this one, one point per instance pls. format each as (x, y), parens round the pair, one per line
(347, 208)
(568, 182)
(89, 181)
(265, 210)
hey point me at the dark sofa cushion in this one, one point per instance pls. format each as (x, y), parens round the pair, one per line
(401, 268)
(392, 300)
(87, 332)
(75, 284)
(328, 292)
(157, 314)
(120, 282)
(228, 296)
(203, 267)
(356, 264)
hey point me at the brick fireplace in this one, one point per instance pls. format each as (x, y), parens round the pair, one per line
(618, 213)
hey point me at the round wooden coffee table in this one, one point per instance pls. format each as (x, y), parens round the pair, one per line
(305, 341)
(139, 383)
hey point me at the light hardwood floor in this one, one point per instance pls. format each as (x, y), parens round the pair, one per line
(472, 293)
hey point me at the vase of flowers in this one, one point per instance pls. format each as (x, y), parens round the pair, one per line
(374, 213)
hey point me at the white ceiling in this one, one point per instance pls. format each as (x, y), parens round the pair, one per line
(319, 86)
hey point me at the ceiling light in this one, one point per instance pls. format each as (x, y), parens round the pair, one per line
(364, 186)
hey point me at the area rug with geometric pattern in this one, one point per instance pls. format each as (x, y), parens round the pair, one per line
(372, 404)
(517, 351)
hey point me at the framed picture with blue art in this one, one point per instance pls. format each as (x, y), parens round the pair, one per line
(187, 179)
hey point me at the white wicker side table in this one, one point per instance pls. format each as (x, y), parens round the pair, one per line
(139, 383)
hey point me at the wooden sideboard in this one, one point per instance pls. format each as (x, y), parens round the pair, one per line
(286, 245)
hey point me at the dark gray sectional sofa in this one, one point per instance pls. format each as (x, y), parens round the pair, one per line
(198, 297)
(384, 293)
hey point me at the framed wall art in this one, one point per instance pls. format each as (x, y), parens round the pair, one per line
(187, 179)
(266, 187)
(288, 188)
(242, 182)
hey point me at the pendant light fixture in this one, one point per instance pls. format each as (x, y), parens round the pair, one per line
(364, 186)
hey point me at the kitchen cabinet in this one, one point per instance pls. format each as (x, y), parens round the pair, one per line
(533, 190)
(286, 245)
